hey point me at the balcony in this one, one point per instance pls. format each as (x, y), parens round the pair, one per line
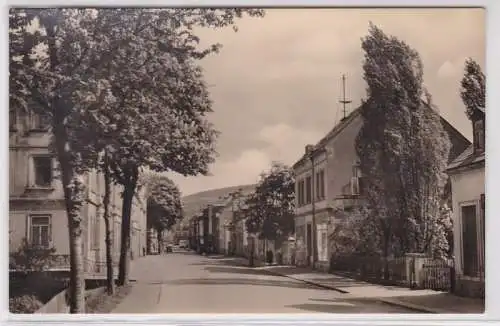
(351, 195)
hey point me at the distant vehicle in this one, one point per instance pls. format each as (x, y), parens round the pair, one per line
(169, 248)
(183, 244)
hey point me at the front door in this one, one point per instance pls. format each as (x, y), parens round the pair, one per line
(309, 242)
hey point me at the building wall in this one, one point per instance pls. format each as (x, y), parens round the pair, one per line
(338, 162)
(467, 188)
(26, 199)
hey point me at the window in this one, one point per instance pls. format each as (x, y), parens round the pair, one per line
(300, 193)
(308, 190)
(43, 171)
(40, 121)
(12, 119)
(320, 185)
(479, 135)
(469, 240)
(40, 230)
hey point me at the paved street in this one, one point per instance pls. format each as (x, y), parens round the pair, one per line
(184, 282)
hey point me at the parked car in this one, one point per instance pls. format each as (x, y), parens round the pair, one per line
(169, 248)
(183, 244)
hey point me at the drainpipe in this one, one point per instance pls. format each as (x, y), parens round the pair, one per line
(313, 202)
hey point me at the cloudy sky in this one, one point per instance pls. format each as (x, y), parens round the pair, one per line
(276, 83)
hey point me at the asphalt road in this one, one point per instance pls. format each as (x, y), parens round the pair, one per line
(183, 282)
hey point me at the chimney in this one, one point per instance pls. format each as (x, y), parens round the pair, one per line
(309, 149)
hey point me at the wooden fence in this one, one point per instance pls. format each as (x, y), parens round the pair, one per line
(409, 271)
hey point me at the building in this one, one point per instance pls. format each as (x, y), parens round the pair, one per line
(36, 200)
(328, 178)
(467, 174)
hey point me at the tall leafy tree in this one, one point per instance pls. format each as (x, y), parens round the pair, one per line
(271, 208)
(164, 207)
(473, 88)
(94, 53)
(402, 146)
(161, 89)
(48, 80)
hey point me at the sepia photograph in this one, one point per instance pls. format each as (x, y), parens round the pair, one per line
(211, 160)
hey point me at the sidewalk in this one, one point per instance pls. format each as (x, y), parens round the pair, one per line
(421, 300)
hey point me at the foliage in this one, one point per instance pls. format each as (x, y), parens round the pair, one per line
(115, 78)
(31, 258)
(473, 88)
(271, 207)
(25, 304)
(356, 233)
(402, 146)
(164, 202)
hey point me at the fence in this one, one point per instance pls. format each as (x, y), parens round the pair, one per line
(414, 271)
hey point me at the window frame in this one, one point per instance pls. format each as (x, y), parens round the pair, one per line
(31, 225)
(33, 174)
(35, 122)
(477, 205)
(12, 119)
(479, 136)
(308, 190)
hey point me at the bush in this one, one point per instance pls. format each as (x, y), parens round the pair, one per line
(25, 304)
(31, 258)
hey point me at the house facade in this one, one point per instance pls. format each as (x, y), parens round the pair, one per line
(467, 174)
(36, 200)
(328, 178)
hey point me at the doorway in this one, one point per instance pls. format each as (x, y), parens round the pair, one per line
(309, 243)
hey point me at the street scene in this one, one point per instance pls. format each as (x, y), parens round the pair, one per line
(247, 160)
(226, 285)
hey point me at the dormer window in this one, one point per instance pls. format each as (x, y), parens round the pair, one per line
(479, 138)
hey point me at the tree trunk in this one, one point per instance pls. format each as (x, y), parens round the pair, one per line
(110, 281)
(124, 265)
(159, 237)
(73, 197)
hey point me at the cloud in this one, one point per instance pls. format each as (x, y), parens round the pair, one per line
(277, 80)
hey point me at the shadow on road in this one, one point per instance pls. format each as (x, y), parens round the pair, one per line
(241, 270)
(241, 281)
(219, 261)
(349, 306)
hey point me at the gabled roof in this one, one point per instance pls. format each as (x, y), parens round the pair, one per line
(331, 134)
(458, 141)
(468, 158)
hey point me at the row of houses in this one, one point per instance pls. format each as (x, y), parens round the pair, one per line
(36, 201)
(328, 178)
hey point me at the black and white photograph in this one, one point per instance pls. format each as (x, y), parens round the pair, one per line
(212, 160)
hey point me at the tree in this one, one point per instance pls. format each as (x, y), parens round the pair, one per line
(473, 88)
(85, 50)
(272, 207)
(358, 233)
(161, 90)
(48, 81)
(402, 146)
(164, 204)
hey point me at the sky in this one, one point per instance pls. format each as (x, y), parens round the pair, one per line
(276, 84)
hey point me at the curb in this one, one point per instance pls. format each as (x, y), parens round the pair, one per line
(396, 303)
(327, 287)
(411, 306)
(391, 302)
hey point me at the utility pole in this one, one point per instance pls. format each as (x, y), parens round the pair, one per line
(344, 101)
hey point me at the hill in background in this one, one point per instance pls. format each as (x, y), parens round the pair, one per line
(195, 202)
